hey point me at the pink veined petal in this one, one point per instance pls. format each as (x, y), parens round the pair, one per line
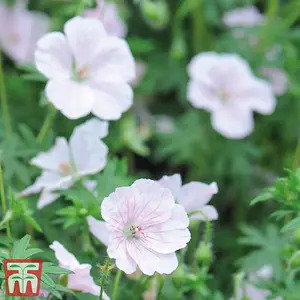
(74, 99)
(99, 230)
(257, 96)
(117, 249)
(93, 127)
(82, 280)
(88, 153)
(169, 236)
(195, 195)
(209, 212)
(46, 198)
(66, 259)
(114, 62)
(150, 261)
(233, 122)
(121, 198)
(86, 37)
(152, 203)
(53, 57)
(173, 183)
(51, 160)
(111, 99)
(203, 97)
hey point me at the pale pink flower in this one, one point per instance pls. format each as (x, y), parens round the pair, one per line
(145, 227)
(243, 17)
(20, 31)
(81, 279)
(278, 79)
(193, 196)
(88, 70)
(109, 15)
(252, 292)
(224, 85)
(64, 163)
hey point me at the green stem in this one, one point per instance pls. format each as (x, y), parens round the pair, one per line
(161, 287)
(104, 277)
(47, 124)
(199, 27)
(273, 6)
(296, 161)
(116, 285)
(4, 105)
(3, 201)
(207, 234)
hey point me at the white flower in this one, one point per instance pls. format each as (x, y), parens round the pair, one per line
(64, 163)
(80, 280)
(193, 196)
(243, 17)
(278, 79)
(252, 292)
(224, 85)
(20, 31)
(145, 228)
(88, 70)
(109, 15)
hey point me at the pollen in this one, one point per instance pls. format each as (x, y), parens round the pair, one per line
(64, 168)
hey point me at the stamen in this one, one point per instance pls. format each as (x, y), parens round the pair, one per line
(64, 168)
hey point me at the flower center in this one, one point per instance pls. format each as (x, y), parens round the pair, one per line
(81, 74)
(223, 95)
(64, 168)
(133, 231)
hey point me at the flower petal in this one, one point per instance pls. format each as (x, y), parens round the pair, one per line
(53, 56)
(169, 236)
(85, 39)
(114, 62)
(51, 160)
(73, 99)
(233, 122)
(150, 261)
(209, 212)
(82, 280)
(117, 249)
(66, 259)
(195, 195)
(88, 152)
(93, 127)
(46, 198)
(111, 100)
(99, 230)
(173, 183)
(258, 96)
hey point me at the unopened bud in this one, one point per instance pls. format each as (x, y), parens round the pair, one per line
(83, 212)
(156, 13)
(179, 276)
(204, 254)
(178, 48)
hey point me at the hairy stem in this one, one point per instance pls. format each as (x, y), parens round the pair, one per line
(47, 124)
(4, 105)
(104, 277)
(4, 207)
(116, 285)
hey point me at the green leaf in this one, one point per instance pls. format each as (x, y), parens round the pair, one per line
(50, 268)
(19, 247)
(8, 216)
(32, 251)
(292, 225)
(263, 197)
(29, 220)
(47, 280)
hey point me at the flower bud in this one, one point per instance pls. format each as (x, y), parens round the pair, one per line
(178, 48)
(179, 276)
(83, 212)
(156, 13)
(204, 254)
